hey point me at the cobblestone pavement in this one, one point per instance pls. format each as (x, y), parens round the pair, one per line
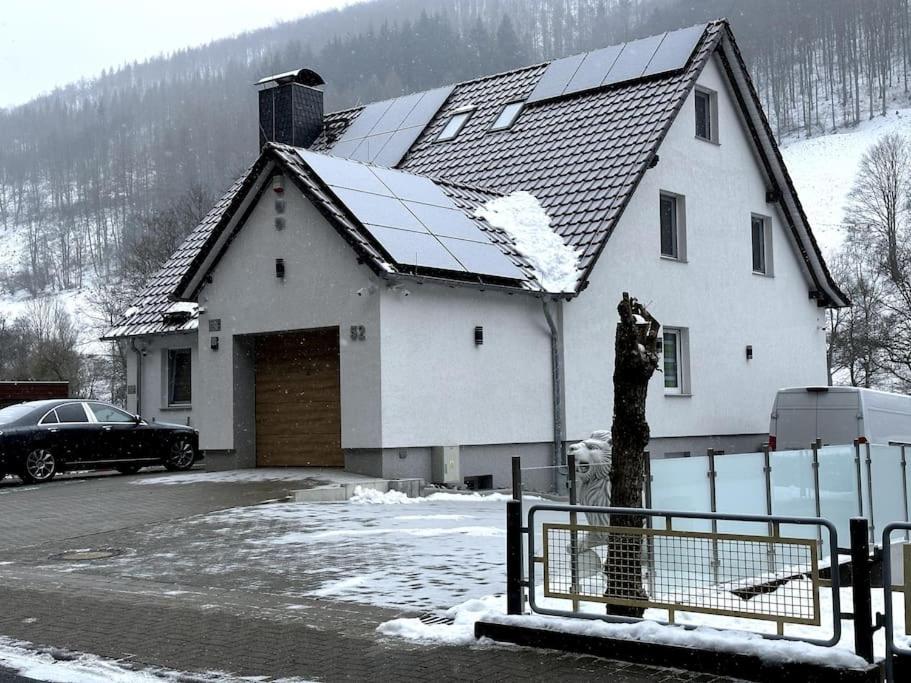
(210, 626)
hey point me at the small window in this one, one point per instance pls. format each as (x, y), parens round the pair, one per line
(106, 413)
(676, 377)
(454, 126)
(706, 115)
(50, 418)
(673, 221)
(762, 245)
(179, 377)
(72, 412)
(508, 116)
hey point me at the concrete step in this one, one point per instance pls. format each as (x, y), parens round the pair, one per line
(343, 491)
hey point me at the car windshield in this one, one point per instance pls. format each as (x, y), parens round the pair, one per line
(11, 414)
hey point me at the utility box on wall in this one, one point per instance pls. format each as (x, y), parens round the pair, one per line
(444, 465)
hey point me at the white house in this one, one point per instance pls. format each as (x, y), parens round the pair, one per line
(352, 315)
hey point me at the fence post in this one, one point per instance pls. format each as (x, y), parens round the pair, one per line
(860, 588)
(713, 499)
(860, 486)
(515, 598)
(818, 503)
(767, 474)
(905, 489)
(573, 533)
(870, 494)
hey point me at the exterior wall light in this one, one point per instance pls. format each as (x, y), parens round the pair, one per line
(280, 268)
(479, 335)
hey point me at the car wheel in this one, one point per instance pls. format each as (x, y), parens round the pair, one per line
(128, 469)
(181, 456)
(39, 466)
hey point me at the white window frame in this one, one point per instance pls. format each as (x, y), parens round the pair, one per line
(167, 378)
(767, 251)
(679, 226)
(454, 125)
(682, 360)
(712, 97)
(501, 124)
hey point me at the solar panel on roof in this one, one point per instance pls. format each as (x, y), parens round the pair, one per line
(555, 78)
(384, 131)
(411, 217)
(447, 222)
(591, 72)
(675, 50)
(379, 210)
(482, 258)
(618, 63)
(415, 248)
(633, 59)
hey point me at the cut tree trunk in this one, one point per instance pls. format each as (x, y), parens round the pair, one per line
(636, 359)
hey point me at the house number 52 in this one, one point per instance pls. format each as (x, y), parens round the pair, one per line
(358, 333)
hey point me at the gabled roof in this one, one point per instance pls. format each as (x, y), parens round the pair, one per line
(582, 154)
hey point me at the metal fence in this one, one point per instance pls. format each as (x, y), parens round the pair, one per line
(761, 575)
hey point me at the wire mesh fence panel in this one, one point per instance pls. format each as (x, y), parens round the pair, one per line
(685, 571)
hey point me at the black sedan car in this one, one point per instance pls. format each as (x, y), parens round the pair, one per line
(41, 438)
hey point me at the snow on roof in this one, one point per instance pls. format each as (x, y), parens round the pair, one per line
(523, 218)
(188, 307)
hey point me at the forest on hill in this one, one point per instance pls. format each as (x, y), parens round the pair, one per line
(101, 179)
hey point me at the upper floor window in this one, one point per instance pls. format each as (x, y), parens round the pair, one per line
(508, 116)
(454, 126)
(180, 385)
(762, 244)
(673, 226)
(706, 114)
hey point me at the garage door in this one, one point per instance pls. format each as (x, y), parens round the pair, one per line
(298, 400)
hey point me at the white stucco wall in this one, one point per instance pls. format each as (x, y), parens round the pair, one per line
(439, 388)
(714, 294)
(154, 384)
(319, 290)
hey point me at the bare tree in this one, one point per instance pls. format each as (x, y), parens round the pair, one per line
(635, 361)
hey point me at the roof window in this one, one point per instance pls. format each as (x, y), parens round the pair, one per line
(508, 115)
(454, 126)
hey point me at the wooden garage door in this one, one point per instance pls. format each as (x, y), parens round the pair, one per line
(298, 400)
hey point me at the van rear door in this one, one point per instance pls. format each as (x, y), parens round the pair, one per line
(794, 419)
(837, 414)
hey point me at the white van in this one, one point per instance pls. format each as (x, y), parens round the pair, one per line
(838, 415)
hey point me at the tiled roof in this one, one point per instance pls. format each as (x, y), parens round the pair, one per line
(582, 155)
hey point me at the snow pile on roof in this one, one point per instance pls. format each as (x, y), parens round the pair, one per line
(368, 496)
(130, 312)
(184, 307)
(521, 216)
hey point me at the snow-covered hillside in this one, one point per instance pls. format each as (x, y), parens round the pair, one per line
(823, 169)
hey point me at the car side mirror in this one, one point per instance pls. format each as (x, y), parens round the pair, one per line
(137, 419)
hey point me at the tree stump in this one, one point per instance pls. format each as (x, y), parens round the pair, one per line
(636, 359)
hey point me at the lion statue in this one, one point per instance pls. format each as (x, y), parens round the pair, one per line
(593, 462)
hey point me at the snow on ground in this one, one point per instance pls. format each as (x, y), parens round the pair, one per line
(245, 476)
(73, 667)
(739, 635)
(523, 218)
(823, 169)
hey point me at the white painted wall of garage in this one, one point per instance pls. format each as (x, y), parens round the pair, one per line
(319, 290)
(440, 388)
(715, 294)
(154, 400)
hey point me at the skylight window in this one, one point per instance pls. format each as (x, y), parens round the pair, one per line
(508, 116)
(454, 126)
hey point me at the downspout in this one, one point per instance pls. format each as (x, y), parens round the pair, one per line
(139, 355)
(556, 369)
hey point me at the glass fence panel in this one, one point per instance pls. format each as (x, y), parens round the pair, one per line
(888, 492)
(681, 484)
(838, 490)
(793, 490)
(740, 489)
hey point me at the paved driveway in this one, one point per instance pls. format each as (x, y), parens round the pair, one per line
(164, 606)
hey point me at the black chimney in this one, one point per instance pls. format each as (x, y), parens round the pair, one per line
(291, 108)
